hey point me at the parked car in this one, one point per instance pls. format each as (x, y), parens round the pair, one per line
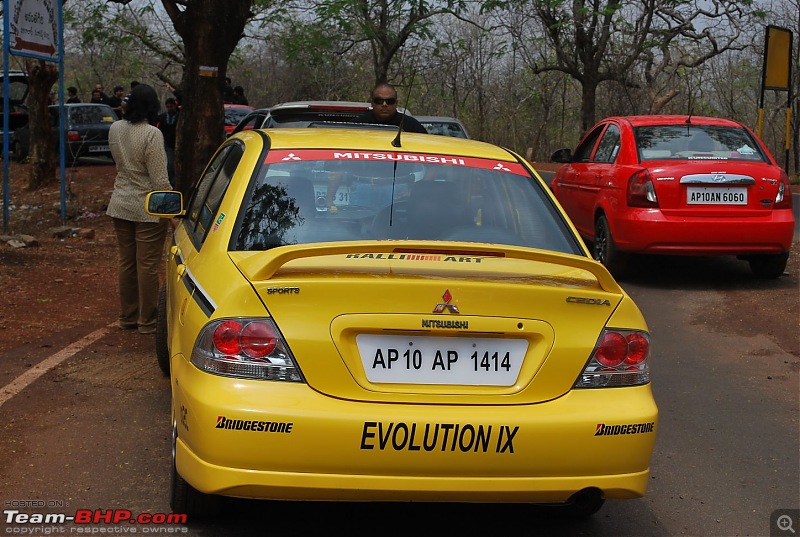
(234, 113)
(677, 185)
(303, 114)
(17, 93)
(446, 126)
(85, 132)
(351, 317)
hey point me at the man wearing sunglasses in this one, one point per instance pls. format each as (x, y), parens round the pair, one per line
(384, 111)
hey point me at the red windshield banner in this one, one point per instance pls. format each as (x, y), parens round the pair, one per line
(300, 155)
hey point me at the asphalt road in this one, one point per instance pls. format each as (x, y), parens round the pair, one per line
(93, 433)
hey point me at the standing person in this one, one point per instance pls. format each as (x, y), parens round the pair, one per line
(138, 150)
(103, 98)
(238, 96)
(384, 110)
(72, 95)
(167, 123)
(227, 91)
(176, 92)
(124, 102)
(115, 101)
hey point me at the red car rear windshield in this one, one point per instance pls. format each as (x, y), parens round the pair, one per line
(696, 142)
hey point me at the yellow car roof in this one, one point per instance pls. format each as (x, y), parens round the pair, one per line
(376, 140)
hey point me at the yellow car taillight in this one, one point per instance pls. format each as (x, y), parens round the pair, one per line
(245, 348)
(619, 359)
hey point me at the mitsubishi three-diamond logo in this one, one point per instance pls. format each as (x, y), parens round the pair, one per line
(452, 308)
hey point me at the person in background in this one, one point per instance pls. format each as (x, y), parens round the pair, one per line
(124, 103)
(103, 97)
(97, 96)
(137, 147)
(175, 92)
(384, 110)
(115, 101)
(72, 95)
(167, 123)
(238, 96)
(227, 92)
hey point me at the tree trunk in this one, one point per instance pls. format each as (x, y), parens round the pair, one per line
(41, 77)
(210, 30)
(588, 99)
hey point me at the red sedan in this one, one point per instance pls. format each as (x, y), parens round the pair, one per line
(677, 185)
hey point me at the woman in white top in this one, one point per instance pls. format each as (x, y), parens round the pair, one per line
(138, 150)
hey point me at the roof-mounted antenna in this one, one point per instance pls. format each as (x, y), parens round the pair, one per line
(396, 141)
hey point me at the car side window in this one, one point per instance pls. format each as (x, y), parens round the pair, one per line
(583, 153)
(608, 148)
(254, 121)
(210, 191)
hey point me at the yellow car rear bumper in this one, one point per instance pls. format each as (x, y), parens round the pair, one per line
(280, 440)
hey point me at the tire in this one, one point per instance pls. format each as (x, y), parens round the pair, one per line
(162, 347)
(768, 267)
(605, 250)
(185, 499)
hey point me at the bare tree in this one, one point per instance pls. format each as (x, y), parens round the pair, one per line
(595, 41)
(385, 24)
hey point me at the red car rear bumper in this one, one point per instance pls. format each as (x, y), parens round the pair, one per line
(650, 231)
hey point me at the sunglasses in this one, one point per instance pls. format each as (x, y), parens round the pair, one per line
(378, 100)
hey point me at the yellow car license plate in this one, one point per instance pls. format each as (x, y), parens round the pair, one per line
(441, 360)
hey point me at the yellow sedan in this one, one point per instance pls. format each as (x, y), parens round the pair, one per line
(356, 315)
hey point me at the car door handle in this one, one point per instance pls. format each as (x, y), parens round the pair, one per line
(180, 271)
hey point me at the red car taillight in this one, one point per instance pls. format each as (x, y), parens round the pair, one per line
(619, 359)
(783, 200)
(73, 136)
(641, 192)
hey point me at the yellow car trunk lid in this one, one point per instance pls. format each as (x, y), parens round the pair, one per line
(433, 322)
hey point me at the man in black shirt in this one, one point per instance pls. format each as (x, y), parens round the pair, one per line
(384, 110)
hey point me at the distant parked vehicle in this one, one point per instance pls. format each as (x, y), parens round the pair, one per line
(445, 126)
(85, 132)
(234, 113)
(306, 114)
(17, 92)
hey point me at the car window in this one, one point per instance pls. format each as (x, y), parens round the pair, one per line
(696, 142)
(583, 153)
(302, 117)
(234, 115)
(91, 115)
(210, 190)
(608, 148)
(328, 195)
(253, 121)
(444, 128)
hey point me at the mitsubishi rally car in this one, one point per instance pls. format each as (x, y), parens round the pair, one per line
(352, 315)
